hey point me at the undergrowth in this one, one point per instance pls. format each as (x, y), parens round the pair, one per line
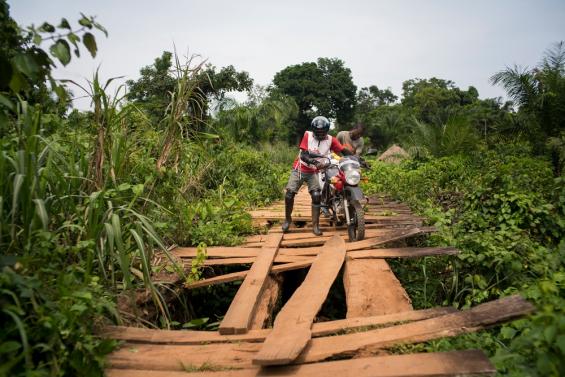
(505, 212)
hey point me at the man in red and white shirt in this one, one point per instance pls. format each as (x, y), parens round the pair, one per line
(305, 169)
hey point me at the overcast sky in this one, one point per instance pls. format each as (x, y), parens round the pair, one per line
(383, 42)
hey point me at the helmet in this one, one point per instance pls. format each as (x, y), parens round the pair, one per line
(320, 127)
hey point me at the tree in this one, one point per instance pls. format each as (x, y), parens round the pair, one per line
(25, 67)
(153, 86)
(156, 83)
(259, 120)
(539, 91)
(322, 88)
(540, 95)
(431, 100)
(371, 97)
(454, 137)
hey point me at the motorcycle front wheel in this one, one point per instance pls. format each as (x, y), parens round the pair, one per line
(356, 230)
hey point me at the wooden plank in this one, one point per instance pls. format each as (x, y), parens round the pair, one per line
(371, 288)
(241, 310)
(250, 260)
(235, 276)
(306, 216)
(396, 236)
(437, 364)
(471, 320)
(333, 327)
(292, 327)
(240, 354)
(310, 239)
(267, 302)
(326, 227)
(295, 263)
(403, 252)
(154, 336)
(218, 251)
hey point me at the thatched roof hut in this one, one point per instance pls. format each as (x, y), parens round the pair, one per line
(394, 155)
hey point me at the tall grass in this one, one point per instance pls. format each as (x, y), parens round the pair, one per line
(186, 108)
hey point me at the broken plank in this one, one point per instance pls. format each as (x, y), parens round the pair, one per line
(267, 302)
(292, 328)
(436, 364)
(241, 310)
(155, 336)
(371, 288)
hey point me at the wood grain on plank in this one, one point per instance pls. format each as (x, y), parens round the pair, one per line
(371, 288)
(155, 336)
(438, 364)
(403, 252)
(240, 354)
(292, 328)
(470, 320)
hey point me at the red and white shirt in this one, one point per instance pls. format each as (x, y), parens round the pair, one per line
(311, 144)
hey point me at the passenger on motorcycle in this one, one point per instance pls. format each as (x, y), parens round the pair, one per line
(305, 169)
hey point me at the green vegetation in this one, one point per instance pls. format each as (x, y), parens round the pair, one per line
(90, 199)
(506, 213)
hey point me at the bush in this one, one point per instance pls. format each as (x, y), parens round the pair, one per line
(505, 213)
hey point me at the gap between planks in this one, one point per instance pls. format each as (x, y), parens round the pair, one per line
(242, 308)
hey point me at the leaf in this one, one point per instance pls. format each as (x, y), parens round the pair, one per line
(41, 212)
(138, 189)
(74, 39)
(37, 39)
(560, 342)
(508, 332)
(9, 346)
(47, 27)
(85, 21)
(26, 64)
(64, 24)
(61, 92)
(90, 43)
(61, 51)
(84, 295)
(101, 28)
(5, 101)
(79, 308)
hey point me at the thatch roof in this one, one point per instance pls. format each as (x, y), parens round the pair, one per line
(394, 155)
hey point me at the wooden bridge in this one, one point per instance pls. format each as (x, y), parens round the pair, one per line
(379, 311)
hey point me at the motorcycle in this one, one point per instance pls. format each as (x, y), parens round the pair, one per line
(341, 194)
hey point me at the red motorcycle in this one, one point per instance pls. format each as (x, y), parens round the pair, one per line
(341, 194)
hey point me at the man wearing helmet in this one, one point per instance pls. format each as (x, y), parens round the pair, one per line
(305, 168)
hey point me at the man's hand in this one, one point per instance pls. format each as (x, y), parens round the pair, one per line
(364, 164)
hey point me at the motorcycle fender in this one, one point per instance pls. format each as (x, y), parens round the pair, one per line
(355, 193)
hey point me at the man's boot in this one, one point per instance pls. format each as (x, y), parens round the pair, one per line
(288, 205)
(316, 213)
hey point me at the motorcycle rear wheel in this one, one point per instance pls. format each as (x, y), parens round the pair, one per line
(356, 230)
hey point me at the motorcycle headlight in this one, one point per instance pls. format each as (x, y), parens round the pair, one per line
(352, 177)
